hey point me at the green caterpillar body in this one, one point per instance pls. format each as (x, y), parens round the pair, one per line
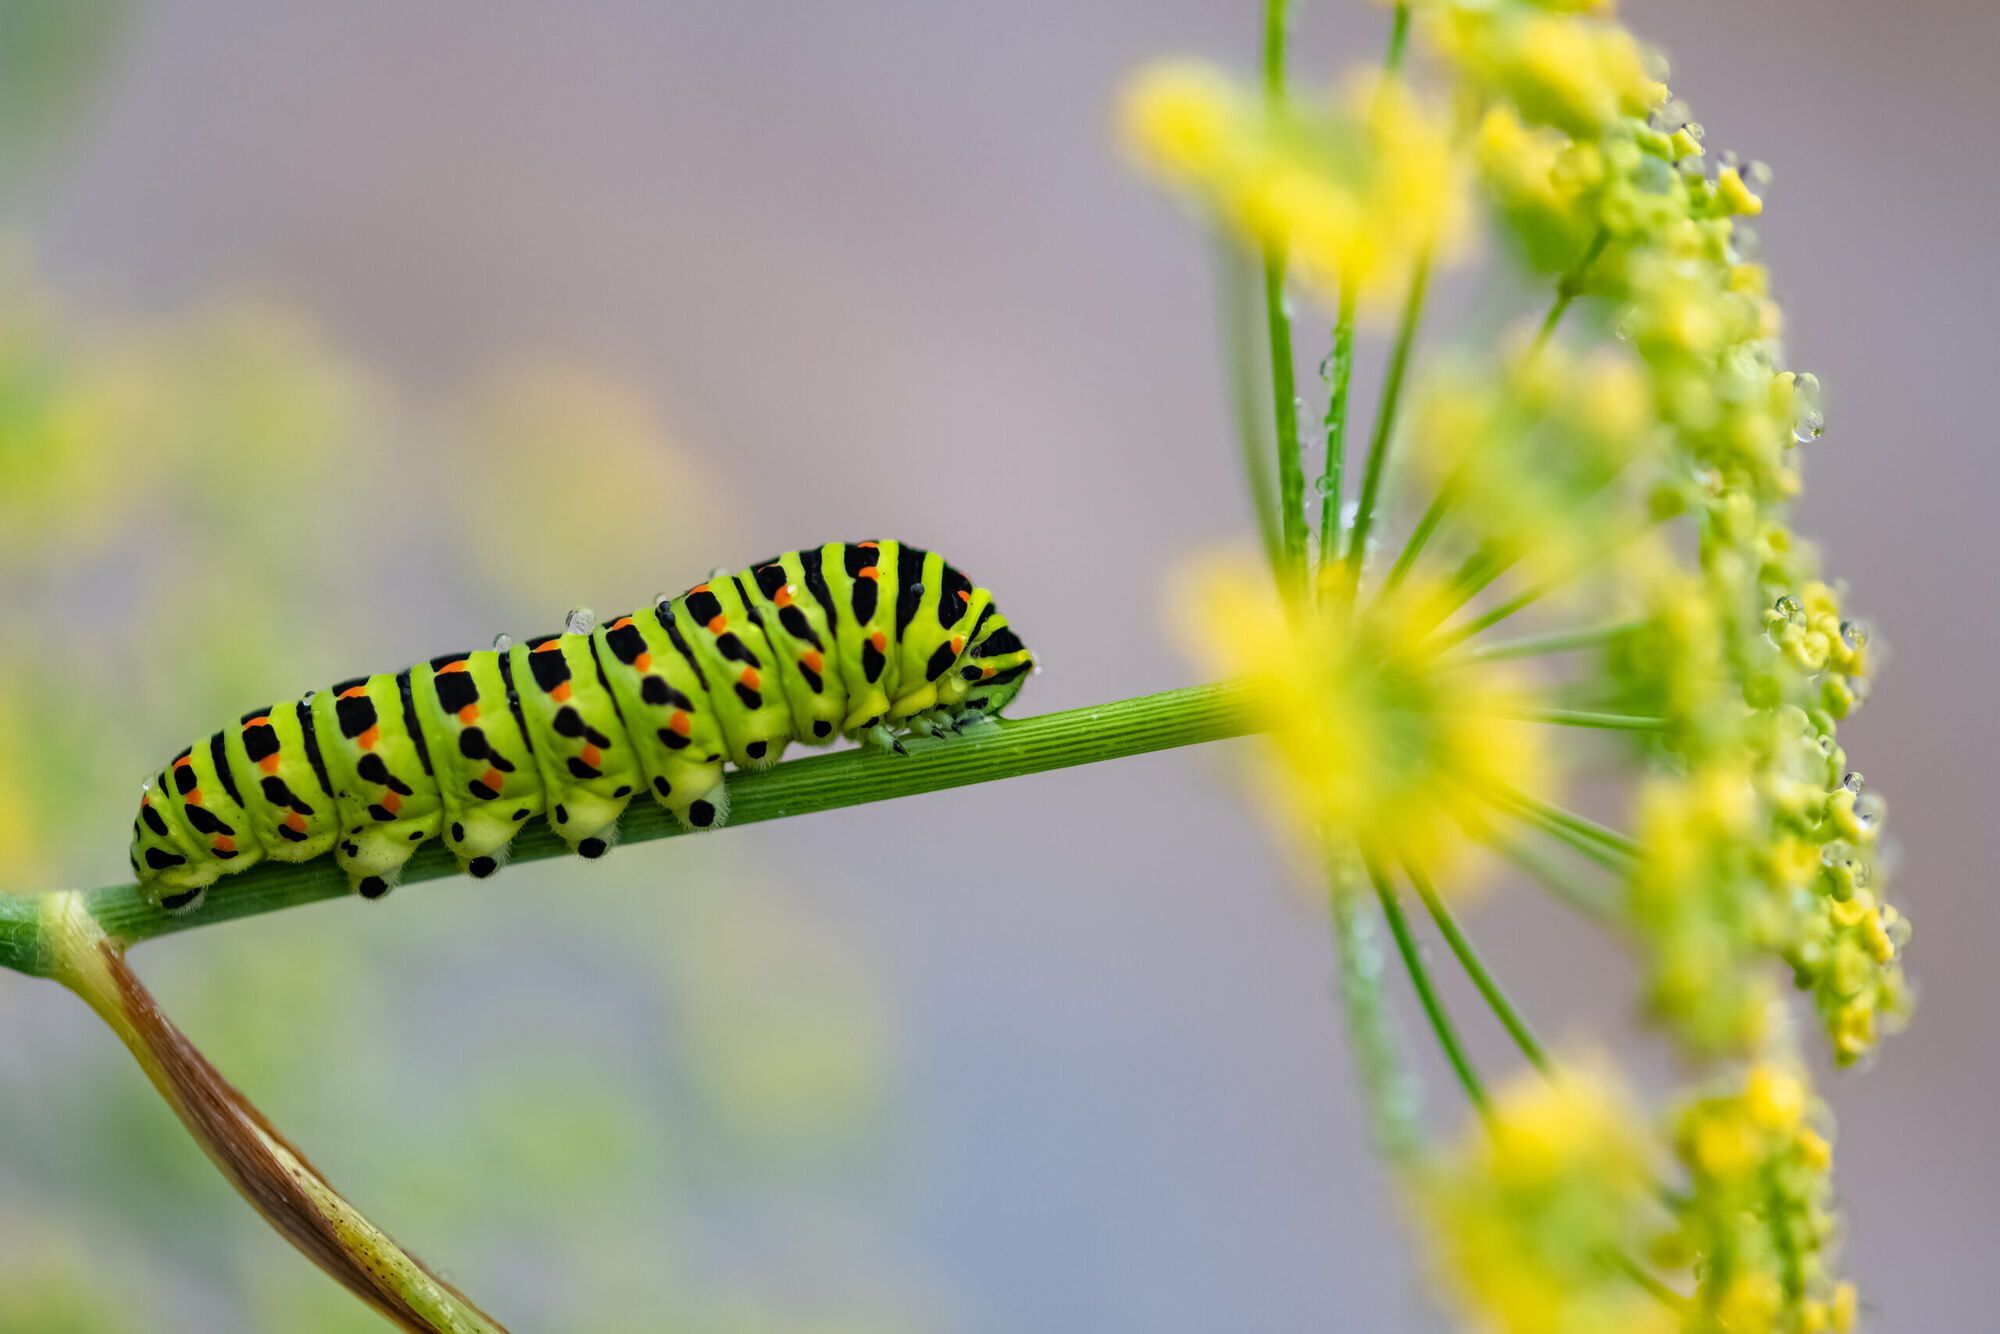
(845, 640)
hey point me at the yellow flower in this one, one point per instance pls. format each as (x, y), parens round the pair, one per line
(1353, 188)
(1371, 732)
(1531, 1213)
(1560, 69)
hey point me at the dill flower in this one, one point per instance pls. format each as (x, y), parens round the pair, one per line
(1536, 1211)
(1370, 730)
(1353, 187)
(1605, 582)
(1757, 1213)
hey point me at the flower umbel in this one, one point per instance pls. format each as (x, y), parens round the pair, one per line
(1599, 578)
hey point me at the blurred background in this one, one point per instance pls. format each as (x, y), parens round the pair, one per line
(333, 337)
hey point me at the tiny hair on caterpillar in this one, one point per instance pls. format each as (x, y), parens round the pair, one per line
(849, 640)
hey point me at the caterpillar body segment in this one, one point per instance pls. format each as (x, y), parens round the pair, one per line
(852, 640)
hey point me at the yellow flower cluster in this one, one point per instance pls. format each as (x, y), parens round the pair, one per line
(1352, 188)
(1372, 733)
(1755, 1221)
(1536, 1211)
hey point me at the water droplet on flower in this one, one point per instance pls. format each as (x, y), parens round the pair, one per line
(1852, 781)
(1854, 634)
(1809, 427)
(1669, 116)
(1827, 746)
(1832, 854)
(1329, 367)
(1858, 871)
(1323, 485)
(1791, 609)
(1654, 176)
(1758, 176)
(501, 643)
(1870, 810)
(580, 621)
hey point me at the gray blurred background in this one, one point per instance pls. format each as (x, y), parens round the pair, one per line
(1052, 1054)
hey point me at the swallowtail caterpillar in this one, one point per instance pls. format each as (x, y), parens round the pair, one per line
(855, 640)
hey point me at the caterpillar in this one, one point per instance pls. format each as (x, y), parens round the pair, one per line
(850, 640)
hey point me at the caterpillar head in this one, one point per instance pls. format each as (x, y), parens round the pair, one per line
(992, 669)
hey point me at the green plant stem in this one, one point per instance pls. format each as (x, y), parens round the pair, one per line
(1278, 339)
(1385, 413)
(1475, 968)
(1399, 38)
(1332, 480)
(1557, 641)
(1389, 1089)
(1427, 994)
(1594, 901)
(1240, 298)
(1610, 722)
(1002, 749)
(1583, 826)
(1568, 288)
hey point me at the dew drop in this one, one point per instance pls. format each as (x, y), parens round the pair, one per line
(1791, 609)
(1669, 116)
(1329, 367)
(1810, 426)
(1854, 634)
(580, 621)
(501, 643)
(1853, 781)
(145, 785)
(1869, 811)
(1323, 485)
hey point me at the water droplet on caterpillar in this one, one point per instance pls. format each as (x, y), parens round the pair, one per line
(501, 643)
(663, 604)
(580, 621)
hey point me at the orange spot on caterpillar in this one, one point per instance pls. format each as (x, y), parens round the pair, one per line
(392, 802)
(224, 843)
(458, 666)
(681, 723)
(751, 678)
(354, 692)
(964, 596)
(561, 693)
(469, 714)
(643, 663)
(872, 546)
(194, 797)
(784, 598)
(269, 764)
(295, 821)
(989, 671)
(261, 720)
(868, 572)
(492, 780)
(183, 762)
(880, 641)
(812, 660)
(699, 588)
(718, 624)
(590, 755)
(957, 645)
(621, 623)
(368, 738)
(553, 646)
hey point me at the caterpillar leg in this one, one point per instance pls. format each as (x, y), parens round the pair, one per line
(881, 737)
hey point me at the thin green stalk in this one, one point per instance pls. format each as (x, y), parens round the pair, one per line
(1278, 338)
(1385, 413)
(1332, 480)
(1568, 288)
(1556, 641)
(1420, 537)
(1390, 1089)
(1399, 37)
(1475, 968)
(1003, 749)
(1609, 722)
(1420, 978)
(1239, 300)
(1594, 901)
(1581, 825)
